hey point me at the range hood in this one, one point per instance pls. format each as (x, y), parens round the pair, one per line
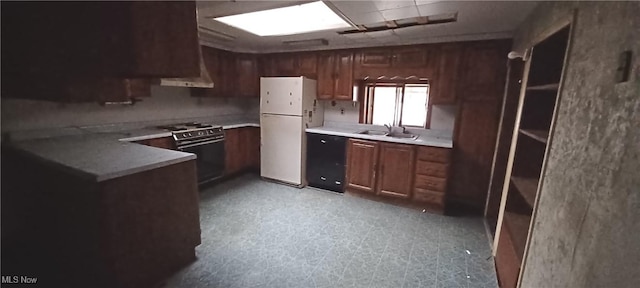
(203, 81)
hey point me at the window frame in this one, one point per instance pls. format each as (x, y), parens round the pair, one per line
(368, 95)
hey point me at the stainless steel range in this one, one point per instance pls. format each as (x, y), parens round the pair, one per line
(204, 140)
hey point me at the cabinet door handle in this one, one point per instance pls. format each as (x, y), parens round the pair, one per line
(323, 178)
(338, 182)
(323, 141)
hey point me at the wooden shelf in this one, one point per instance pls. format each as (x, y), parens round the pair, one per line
(539, 135)
(546, 87)
(527, 188)
(518, 229)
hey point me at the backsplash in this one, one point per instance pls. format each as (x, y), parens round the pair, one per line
(165, 103)
(442, 116)
(343, 111)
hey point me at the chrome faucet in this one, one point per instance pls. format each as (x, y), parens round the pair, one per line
(389, 127)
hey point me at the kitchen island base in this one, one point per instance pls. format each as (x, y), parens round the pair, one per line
(71, 231)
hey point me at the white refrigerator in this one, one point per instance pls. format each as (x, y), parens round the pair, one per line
(288, 106)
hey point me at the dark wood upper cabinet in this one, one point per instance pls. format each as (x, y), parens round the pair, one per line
(362, 163)
(484, 70)
(248, 80)
(164, 39)
(286, 65)
(326, 75)
(396, 167)
(443, 90)
(291, 65)
(410, 57)
(267, 65)
(343, 76)
(64, 42)
(392, 62)
(307, 65)
(376, 58)
(110, 39)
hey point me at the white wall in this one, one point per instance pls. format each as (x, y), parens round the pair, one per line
(165, 103)
(442, 116)
(343, 111)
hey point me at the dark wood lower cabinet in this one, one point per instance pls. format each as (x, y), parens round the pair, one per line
(362, 163)
(234, 149)
(395, 161)
(252, 136)
(475, 142)
(68, 230)
(407, 175)
(242, 149)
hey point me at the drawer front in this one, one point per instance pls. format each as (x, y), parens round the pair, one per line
(434, 154)
(427, 196)
(432, 168)
(431, 183)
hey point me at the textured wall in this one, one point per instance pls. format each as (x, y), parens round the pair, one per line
(587, 229)
(165, 103)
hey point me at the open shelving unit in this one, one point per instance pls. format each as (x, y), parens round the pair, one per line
(540, 135)
(525, 167)
(544, 87)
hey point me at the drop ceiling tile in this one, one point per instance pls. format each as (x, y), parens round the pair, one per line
(394, 4)
(423, 2)
(355, 7)
(476, 20)
(440, 8)
(400, 13)
(367, 18)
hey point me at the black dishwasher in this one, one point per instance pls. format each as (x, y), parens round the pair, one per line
(326, 161)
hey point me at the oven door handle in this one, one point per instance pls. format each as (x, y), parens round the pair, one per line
(200, 143)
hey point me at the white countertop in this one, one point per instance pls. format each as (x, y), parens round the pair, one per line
(101, 156)
(241, 124)
(425, 137)
(150, 133)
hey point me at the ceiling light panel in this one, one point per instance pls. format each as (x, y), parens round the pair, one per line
(309, 17)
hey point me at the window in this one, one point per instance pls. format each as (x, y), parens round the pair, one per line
(399, 104)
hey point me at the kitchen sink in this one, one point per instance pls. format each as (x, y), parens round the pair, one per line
(387, 134)
(402, 135)
(374, 132)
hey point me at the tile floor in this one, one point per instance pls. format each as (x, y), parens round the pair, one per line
(262, 234)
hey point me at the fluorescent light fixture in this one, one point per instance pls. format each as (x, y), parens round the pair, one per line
(309, 17)
(309, 42)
